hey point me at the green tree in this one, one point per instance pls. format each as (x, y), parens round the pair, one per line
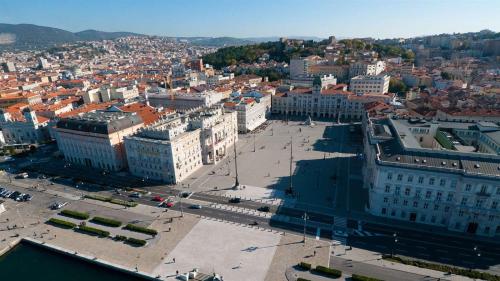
(397, 86)
(408, 55)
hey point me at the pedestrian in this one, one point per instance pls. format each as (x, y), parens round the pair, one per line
(314, 253)
(173, 260)
(169, 228)
(177, 272)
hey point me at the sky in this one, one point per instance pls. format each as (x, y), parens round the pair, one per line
(259, 18)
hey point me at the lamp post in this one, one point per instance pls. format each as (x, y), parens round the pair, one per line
(237, 182)
(395, 236)
(180, 203)
(305, 217)
(254, 143)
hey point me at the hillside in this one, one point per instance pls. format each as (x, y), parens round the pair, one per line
(30, 36)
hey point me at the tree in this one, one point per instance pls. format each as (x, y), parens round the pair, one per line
(397, 86)
(408, 55)
(445, 75)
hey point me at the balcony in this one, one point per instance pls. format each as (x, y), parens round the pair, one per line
(483, 194)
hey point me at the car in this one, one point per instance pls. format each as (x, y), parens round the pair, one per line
(14, 195)
(27, 197)
(263, 209)
(158, 199)
(235, 200)
(58, 205)
(196, 206)
(186, 194)
(254, 223)
(22, 176)
(136, 195)
(19, 197)
(170, 204)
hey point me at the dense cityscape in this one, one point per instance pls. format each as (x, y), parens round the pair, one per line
(177, 158)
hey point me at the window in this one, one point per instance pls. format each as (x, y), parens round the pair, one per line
(393, 213)
(386, 199)
(415, 204)
(422, 218)
(442, 182)
(420, 179)
(426, 205)
(387, 188)
(417, 193)
(494, 205)
(438, 196)
(400, 177)
(479, 203)
(389, 176)
(498, 190)
(446, 209)
(405, 202)
(464, 201)
(431, 181)
(468, 187)
(436, 207)
(397, 189)
(484, 188)
(450, 197)
(453, 184)
(384, 211)
(410, 178)
(461, 213)
(428, 194)
(395, 201)
(491, 217)
(486, 229)
(407, 191)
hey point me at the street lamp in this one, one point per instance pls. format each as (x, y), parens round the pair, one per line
(180, 203)
(477, 255)
(305, 217)
(254, 143)
(395, 236)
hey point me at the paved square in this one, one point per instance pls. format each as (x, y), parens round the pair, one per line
(233, 251)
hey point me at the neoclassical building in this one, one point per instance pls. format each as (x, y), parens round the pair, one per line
(411, 176)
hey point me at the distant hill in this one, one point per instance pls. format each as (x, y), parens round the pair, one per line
(93, 35)
(219, 41)
(30, 36)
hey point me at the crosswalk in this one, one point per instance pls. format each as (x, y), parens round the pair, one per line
(364, 233)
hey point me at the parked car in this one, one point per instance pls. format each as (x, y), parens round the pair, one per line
(235, 200)
(263, 209)
(158, 199)
(196, 206)
(58, 205)
(27, 197)
(186, 194)
(14, 195)
(170, 204)
(136, 195)
(22, 176)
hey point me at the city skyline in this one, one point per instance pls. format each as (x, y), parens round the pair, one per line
(217, 18)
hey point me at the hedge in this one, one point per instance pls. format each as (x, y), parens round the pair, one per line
(92, 230)
(62, 223)
(120, 238)
(356, 277)
(123, 202)
(98, 197)
(106, 221)
(136, 228)
(305, 265)
(137, 242)
(330, 272)
(474, 274)
(75, 214)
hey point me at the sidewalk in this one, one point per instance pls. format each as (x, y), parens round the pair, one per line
(372, 258)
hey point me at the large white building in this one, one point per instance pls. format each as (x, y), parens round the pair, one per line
(366, 68)
(218, 132)
(318, 102)
(253, 108)
(411, 176)
(173, 148)
(184, 101)
(95, 139)
(31, 130)
(369, 84)
(168, 150)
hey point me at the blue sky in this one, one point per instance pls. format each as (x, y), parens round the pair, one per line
(256, 18)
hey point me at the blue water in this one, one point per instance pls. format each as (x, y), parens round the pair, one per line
(28, 262)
